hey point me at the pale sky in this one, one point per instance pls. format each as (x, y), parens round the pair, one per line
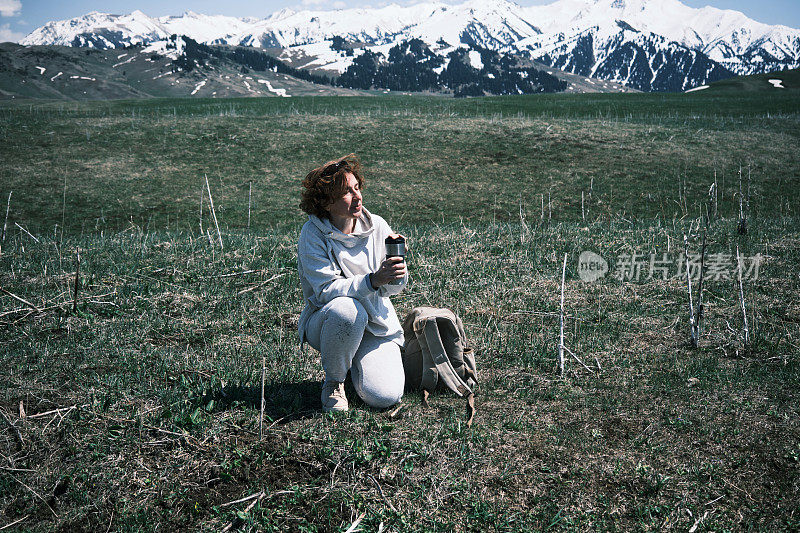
(20, 17)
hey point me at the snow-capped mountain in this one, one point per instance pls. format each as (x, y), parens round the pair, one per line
(727, 37)
(645, 44)
(101, 30)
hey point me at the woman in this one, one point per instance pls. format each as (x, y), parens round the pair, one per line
(347, 280)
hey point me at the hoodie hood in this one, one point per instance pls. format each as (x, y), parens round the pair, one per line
(364, 228)
(332, 265)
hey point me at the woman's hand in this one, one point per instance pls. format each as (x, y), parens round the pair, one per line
(392, 268)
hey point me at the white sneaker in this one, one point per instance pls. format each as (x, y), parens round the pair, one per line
(333, 397)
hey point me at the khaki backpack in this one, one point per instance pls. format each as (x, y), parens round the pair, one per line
(437, 355)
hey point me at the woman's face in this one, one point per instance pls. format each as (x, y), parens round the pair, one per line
(348, 206)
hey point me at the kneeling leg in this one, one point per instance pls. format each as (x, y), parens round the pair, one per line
(377, 372)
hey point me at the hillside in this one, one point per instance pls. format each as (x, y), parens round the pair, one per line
(180, 66)
(158, 70)
(782, 80)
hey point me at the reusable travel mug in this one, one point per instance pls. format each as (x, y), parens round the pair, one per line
(395, 247)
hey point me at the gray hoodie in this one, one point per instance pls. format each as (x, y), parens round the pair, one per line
(333, 264)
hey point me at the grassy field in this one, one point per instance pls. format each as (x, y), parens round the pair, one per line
(110, 165)
(139, 410)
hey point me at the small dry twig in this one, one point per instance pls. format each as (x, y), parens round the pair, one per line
(561, 320)
(202, 195)
(699, 317)
(111, 521)
(8, 206)
(254, 287)
(233, 274)
(578, 359)
(22, 300)
(543, 206)
(213, 212)
(35, 494)
(242, 500)
(396, 411)
(77, 280)
(741, 296)
(59, 410)
(14, 522)
(28, 233)
(15, 429)
(354, 525)
(697, 522)
(741, 227)
(385, 499)
(689, 285)
(233, 522)
(59, 305)
(583, 212)
(261, 416)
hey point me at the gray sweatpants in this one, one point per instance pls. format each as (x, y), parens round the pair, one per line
(337, 330)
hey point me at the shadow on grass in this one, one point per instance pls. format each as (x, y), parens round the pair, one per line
(283, 401)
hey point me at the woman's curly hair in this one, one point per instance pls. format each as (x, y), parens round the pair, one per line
(326, 184)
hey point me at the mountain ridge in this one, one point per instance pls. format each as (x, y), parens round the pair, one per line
(706, 44)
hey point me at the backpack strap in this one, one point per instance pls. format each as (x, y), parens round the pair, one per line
(439, 365)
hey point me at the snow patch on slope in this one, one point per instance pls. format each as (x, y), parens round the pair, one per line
(168, 48)
(475, 59)
(270, 88)
(198, 87)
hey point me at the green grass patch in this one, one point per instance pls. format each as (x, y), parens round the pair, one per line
(141, 407)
